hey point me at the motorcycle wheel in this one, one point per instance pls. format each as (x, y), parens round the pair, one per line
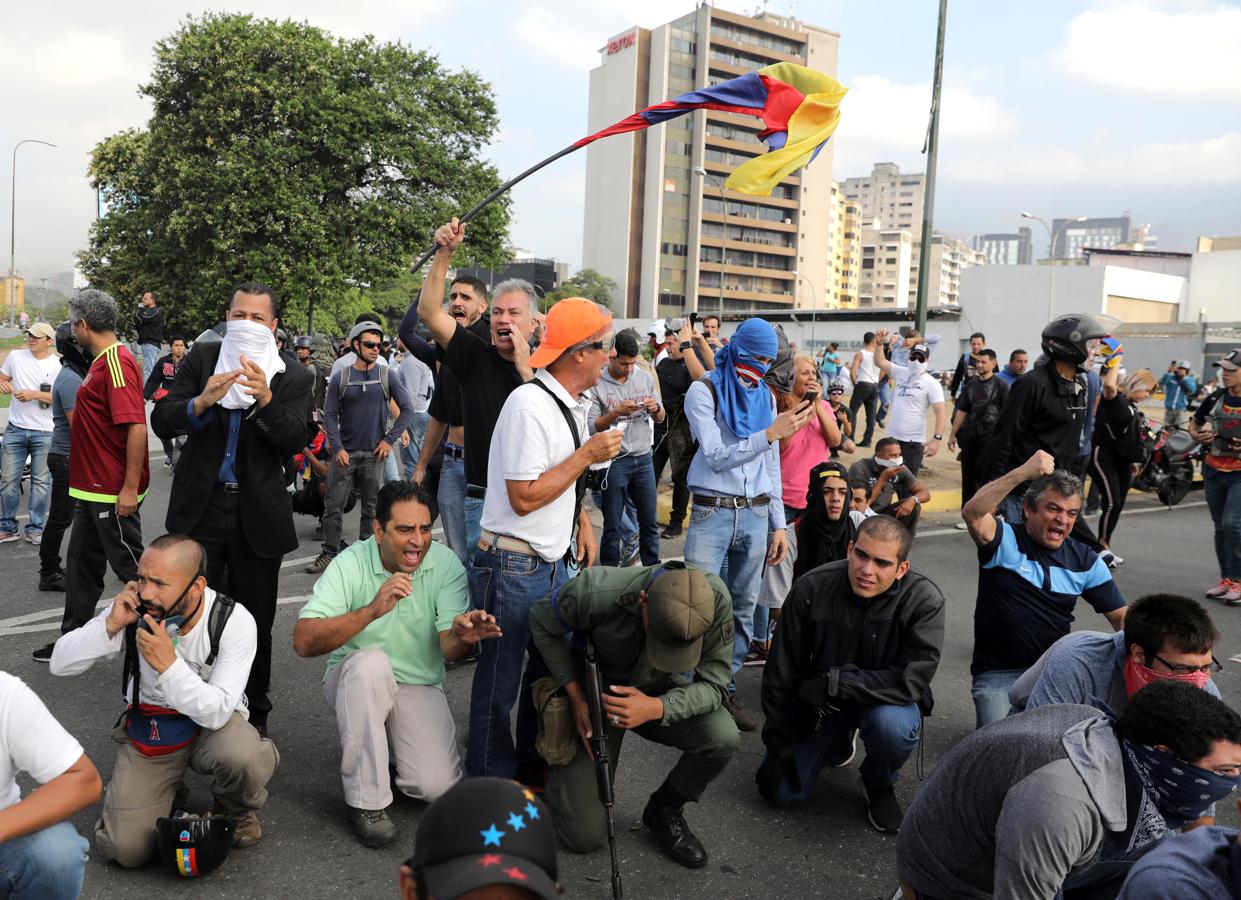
(1173, 491)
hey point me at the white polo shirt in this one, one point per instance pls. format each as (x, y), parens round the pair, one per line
(530, 438)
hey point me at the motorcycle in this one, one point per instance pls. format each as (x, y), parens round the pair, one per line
(1168, 470)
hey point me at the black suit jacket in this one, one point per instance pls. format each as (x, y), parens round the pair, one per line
(268, 438)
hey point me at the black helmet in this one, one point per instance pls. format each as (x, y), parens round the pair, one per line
(1066, 338)
(69, 349)
(194, 846)
(304, 341)
(282, 335)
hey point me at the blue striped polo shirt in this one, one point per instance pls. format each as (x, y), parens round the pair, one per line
(1026, 595)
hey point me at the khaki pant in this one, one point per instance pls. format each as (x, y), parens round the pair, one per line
(380, 720)
(142, 788)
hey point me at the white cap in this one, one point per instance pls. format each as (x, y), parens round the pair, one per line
(657, 328)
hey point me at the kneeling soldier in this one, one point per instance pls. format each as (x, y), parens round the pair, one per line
(649, 626)
(188, 704)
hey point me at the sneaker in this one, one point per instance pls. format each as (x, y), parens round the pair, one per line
(1219, 590)
(882, 808)
(630, 553)
(745, 721)
(671, 530)
(246, 830)
(34, 537)
(845, 759)
(961, 526)
(757, 655)
(372, 827)
(168, 463)
(322, 561)
(1233, 595)
(44, 654)
(1110, 558)
(53, 582)
(8, 537)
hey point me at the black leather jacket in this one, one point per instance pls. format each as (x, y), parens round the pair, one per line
(884, 650)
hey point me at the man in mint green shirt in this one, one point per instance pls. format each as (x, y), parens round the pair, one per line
(390, 610)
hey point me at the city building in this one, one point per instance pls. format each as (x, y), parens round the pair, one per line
(658, 220)
(1100, 234)
(1006, 249)
(544, 274)
(949, 258)
(1215, 273)
(845, 250)
(890, 197)
(884, 274)
(13, 290)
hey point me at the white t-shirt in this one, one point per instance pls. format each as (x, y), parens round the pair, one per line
(349, 359)
(209, 696)
(27, 374)
(31, 740)
(911, 399)
(532, 437)
(418, 381)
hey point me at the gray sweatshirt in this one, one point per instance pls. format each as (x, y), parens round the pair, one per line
(1016, 807)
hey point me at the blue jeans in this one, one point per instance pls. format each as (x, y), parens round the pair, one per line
(18, 444)
(630, 478)
(889, 734)
(731, 543)
(885, 401)
(452, 506)
(990, 693)
(150, 356)
(417, 431)
(43, 865)
(473, 525)
(391, 473)
(1223, 493)
(506, 584)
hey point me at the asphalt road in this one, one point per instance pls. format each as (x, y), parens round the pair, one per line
(825, 848)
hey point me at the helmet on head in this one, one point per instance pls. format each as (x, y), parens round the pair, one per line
(69, 348)
(304, 341)
(194, 846)
(1067, 338)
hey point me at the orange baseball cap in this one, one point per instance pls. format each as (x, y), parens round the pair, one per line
(569, 321)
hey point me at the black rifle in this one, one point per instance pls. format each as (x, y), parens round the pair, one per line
(599, 746)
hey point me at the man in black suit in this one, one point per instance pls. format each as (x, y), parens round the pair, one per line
(228, 492)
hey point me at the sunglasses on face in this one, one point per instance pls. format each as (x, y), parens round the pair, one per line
(370, 345)
(603, 345)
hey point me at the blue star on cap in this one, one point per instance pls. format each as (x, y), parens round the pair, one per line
(516, 822)
(532, 811)
(492, 836)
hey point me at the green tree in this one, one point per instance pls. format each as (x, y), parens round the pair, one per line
(280, 154)
(587, 283)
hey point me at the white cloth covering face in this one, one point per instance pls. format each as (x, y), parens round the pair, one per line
(255, 342)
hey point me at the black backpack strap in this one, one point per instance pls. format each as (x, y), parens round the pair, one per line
(705, 378)
(580, 485)
(221, 610)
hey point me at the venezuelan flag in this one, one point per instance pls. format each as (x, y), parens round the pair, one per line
(187, 864)
(799, 108)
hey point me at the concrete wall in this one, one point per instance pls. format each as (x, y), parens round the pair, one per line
(1214, 286)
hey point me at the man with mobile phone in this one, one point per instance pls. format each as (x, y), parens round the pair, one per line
(894, 490)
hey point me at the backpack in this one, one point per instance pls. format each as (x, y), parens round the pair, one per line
(383, 383)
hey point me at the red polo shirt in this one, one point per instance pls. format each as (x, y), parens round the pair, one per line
(109, 401)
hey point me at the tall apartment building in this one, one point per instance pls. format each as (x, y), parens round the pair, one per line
(949, 258)
(1098, 234)
(888, 196)
(1006, 249)
(671, 238)
(884, 273)
(844, 237)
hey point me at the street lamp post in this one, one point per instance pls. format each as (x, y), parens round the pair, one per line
(13, 232)
(1051, 252)
(719, 183)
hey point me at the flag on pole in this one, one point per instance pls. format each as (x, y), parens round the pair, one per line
(799, 108)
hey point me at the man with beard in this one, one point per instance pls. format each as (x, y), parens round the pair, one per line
(973, 420)
(858, 644)
(1062, 798)
(488, 372)
(1018, 362)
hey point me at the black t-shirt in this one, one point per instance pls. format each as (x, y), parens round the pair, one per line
(981, 400)
(674, 378)
(843, 417)
(487, 379)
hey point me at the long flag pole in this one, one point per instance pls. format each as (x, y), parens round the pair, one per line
(928, 198)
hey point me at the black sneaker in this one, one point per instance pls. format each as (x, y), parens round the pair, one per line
(745, 721)
(44, 654)
(846, 755)
(882, 808)
(671, 530)
(54, 583)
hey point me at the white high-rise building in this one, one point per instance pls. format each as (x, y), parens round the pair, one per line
(889, 197)
(884, 277)
(671, 238)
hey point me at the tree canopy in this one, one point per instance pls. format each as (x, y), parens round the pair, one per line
(587, 283)
(278, 153)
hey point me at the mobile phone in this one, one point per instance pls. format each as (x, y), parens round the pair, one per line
(812, 397)
(693, 317)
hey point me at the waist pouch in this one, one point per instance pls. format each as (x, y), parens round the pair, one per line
(158, 731)
(557, 740)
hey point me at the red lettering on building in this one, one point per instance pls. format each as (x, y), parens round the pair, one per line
(624, 42)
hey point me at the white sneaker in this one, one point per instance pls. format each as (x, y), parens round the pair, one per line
(961, 526)
(1219, 590)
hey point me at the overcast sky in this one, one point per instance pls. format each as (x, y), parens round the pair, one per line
(1059, 108)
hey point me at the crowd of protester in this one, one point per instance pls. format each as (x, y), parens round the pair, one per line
(503, 423)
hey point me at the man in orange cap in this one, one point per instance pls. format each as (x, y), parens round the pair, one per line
(536, 480)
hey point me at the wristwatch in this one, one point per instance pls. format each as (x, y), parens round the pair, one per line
(685, 345)
(937, 437)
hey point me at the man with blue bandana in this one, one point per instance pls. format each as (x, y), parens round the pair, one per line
(737, 520)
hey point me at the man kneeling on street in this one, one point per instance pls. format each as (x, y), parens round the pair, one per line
(858, 644)
(188, 652)
(1062, 800)
(650, 627)
(390, 610)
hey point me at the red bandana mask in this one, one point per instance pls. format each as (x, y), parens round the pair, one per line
(1138, 676)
